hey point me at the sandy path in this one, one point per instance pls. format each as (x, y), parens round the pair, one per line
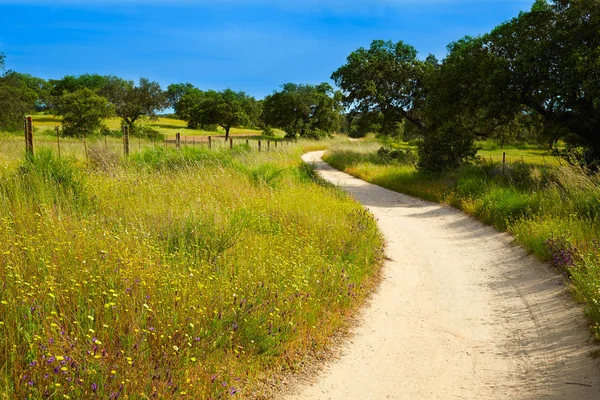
(462, 313)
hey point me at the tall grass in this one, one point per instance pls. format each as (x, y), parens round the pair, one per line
(553, 210)
(188, 273)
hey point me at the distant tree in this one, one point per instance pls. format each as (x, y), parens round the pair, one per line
(72, 83)
(304, 110)
(16, 99)
(176, 91)
(131, 102)
(227, 109)
(83, 111)
(40, 86)
(189, 108)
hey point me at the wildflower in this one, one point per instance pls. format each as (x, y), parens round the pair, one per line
(90, 317)
(175, 348)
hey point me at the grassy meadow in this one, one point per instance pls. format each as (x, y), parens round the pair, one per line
(197, 273)
(552, 209)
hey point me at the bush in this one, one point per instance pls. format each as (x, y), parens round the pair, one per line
(146, 131)
(446, 148)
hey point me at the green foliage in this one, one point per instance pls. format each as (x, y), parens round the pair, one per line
(541, 64)
(385, 79)
(227, 109)
(83, 112)
(311, 111)
(176, 91)
(132, 102)
(17, 98)
(446, 148)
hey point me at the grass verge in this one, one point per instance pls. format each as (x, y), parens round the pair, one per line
(192, 273)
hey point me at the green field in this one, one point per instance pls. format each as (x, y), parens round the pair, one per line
(194, 273)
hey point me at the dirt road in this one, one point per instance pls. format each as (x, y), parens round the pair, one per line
(462, 313)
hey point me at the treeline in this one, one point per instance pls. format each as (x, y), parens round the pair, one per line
(85, 101)
(537, 75)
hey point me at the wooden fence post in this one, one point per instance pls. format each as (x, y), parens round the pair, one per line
(57, 129)
(29, 136)
(126, 140)
(210, 142)
(178, 140)
(230, 143)
(87, 155)
(259, 145)
(268, 145)
(246, 142)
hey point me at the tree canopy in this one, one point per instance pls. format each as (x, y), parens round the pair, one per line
(387, 78)
(83, 111)
(131, 101)
(16, 98)
(303, 110)
(539, 71)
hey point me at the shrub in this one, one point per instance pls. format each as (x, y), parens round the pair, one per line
(446, 148)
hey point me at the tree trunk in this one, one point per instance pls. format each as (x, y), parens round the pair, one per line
(227, 132)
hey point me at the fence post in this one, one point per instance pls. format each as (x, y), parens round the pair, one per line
(275, 143)
(57, 129)
(87, 156)
(246, 142)
(259, 145)
(126, 140)
(268, 145)
(210, 142)
(29, 136)
(230, 143)
(503, 162)
(178, 140)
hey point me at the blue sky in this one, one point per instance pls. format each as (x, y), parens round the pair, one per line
(254, 46)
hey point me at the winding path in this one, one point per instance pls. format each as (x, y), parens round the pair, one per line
(461, 313)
